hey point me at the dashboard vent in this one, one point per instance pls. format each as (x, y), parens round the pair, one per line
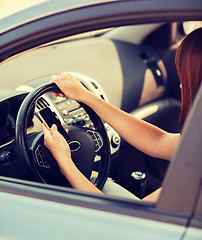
(42, 103)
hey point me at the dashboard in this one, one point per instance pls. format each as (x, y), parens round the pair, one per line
(68, 111)
(9, 110)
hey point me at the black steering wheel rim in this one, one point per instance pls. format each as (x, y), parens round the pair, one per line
(24, 153)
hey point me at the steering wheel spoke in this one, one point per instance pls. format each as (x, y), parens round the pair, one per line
(97, 139)
(40, 157)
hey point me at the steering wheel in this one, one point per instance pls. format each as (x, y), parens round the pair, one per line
(85, 143)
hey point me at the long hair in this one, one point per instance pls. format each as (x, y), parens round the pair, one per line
(188, 61)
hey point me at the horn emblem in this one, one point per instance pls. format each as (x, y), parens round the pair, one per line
(74, 146)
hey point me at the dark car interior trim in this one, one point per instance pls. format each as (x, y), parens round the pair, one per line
(26, 39)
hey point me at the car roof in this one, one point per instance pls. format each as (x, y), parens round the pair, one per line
(23, 11)
(27, 11)
(50, 21)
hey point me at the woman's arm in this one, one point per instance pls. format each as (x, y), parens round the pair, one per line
(153, 197)
(140, 134)
(59, 148)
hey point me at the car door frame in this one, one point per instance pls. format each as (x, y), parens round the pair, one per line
(46, 28)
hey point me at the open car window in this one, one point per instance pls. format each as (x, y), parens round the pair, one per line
(126, 57)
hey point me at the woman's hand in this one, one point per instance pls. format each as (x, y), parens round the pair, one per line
(70, 86)
(58, 146)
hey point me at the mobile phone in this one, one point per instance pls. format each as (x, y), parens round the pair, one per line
(49, 118)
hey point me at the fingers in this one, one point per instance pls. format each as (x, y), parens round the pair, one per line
(67, 130)
(47, 135)
(54, 131)
(45, 130)
(57, 80)
(53, 77)
(65, 76)
(62, 78)
(51, 81)
(69, 85)
(63, 124)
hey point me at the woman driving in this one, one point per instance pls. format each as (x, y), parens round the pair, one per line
(147, 138)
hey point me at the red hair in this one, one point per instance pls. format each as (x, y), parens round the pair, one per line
(189, 66)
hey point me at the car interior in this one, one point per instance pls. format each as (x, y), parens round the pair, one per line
(132, 67)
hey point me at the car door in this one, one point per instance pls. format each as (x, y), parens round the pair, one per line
(77, 20)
